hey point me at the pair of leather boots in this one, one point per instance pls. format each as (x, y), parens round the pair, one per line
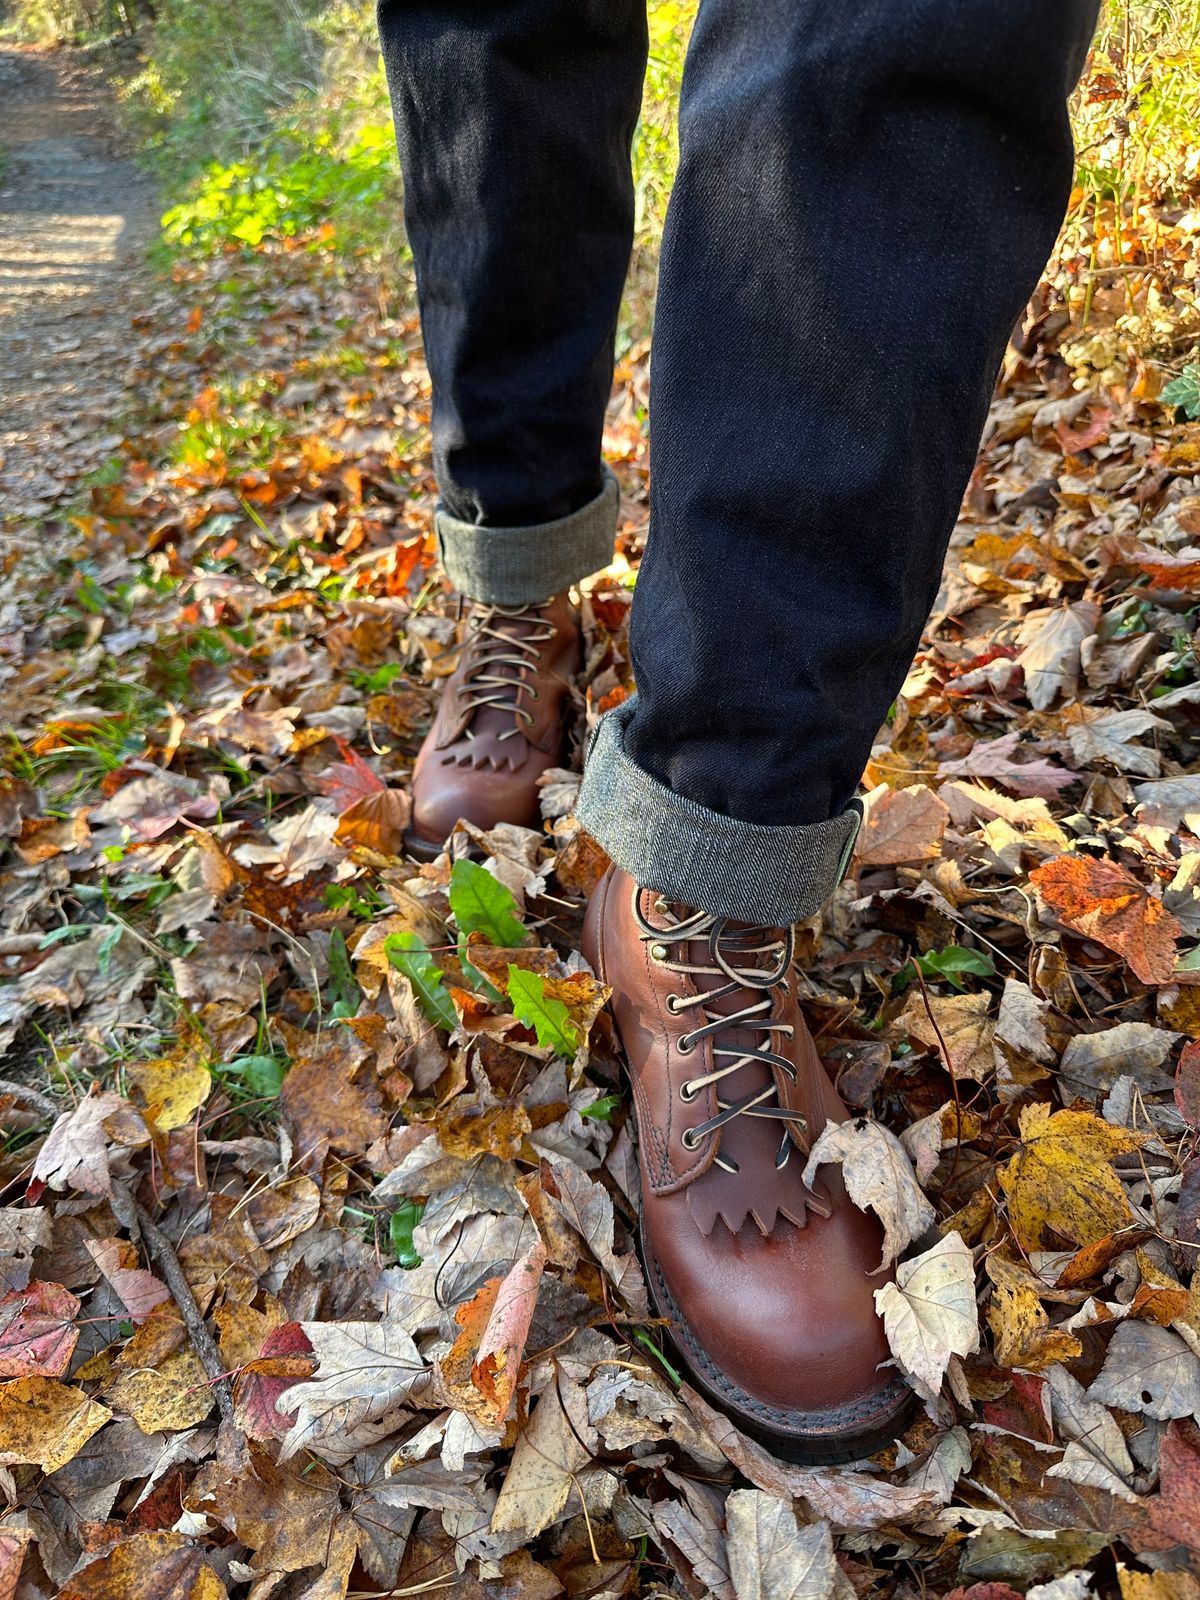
(766, 1284)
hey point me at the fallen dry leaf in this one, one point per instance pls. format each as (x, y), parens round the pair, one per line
(46, 1422)
(1104, 902)
(1060, 1180)
(878, 1177)
(929, 1313)
(770, 1557)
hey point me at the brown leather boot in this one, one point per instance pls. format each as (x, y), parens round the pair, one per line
(500, 723)
(767, 1286)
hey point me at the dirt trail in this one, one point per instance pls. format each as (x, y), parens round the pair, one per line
(75, 217)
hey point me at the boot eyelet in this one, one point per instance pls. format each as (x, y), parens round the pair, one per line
(658, 952)
(687, 1092)
(688, 1139)
(685, 1045)
(673, 1003)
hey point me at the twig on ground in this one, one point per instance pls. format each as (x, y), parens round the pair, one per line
(33, 1098)
(162, 1253)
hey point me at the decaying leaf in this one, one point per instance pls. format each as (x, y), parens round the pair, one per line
(554, 1445)
(1149, 1369)
(929, 1313)
(878, 1176)
(770, 1558)
(1104, 902)
(150, 1566)
(46, 1422)
(365, 1371)
(1060, 1181)
(1024, 1336)
(901, 825)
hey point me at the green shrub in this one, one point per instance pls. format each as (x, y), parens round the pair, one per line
(290, 188)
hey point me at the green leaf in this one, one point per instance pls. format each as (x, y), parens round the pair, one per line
(1184, 392)
(262, 1075)
(400, 1232)
(481, 904)
(69, 930)
(549, 1018)
(603, 1108)
(954, 963)
(343, 986)
(108, 943)
(410, 955)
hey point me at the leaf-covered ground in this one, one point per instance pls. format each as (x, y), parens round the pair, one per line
(319, 1181)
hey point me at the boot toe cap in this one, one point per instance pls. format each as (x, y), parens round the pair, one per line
(789, 1326)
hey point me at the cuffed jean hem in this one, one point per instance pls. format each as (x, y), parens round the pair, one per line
(521, 566)
(771, 876)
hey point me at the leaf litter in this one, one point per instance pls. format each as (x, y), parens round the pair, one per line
(319, 1273)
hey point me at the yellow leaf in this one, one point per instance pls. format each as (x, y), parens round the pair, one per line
(173, 1088)
(1024, 1337)
(46, 1422)
(173, 1397)
(150, 1566)
(1060, 1179)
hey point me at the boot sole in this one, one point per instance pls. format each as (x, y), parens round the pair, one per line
(422, 849)
(806, 1438)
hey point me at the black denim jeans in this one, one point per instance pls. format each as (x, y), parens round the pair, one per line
(865, 198)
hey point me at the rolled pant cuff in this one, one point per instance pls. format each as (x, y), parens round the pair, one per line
(771, 876)
(521, 566)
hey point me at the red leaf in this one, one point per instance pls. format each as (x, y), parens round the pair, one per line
(1104, 902)
(37, 1332)
(284, 1359)
(350, 780)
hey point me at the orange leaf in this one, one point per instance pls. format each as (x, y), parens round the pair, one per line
(1104, 902)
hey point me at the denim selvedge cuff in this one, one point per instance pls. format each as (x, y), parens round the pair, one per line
(520, 566)
(771, 876)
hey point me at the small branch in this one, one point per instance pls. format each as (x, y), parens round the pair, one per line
(958, 1110)
(162, 1253)
(34, 1099)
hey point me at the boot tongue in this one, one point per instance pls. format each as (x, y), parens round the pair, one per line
(760, 1191)
(487, 723)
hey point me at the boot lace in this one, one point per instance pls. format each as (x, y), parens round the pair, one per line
(499, 658)
(735, 954)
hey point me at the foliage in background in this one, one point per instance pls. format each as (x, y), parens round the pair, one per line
(269, 119)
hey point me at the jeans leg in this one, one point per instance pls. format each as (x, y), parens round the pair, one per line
(866, 196)
(513, 120)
